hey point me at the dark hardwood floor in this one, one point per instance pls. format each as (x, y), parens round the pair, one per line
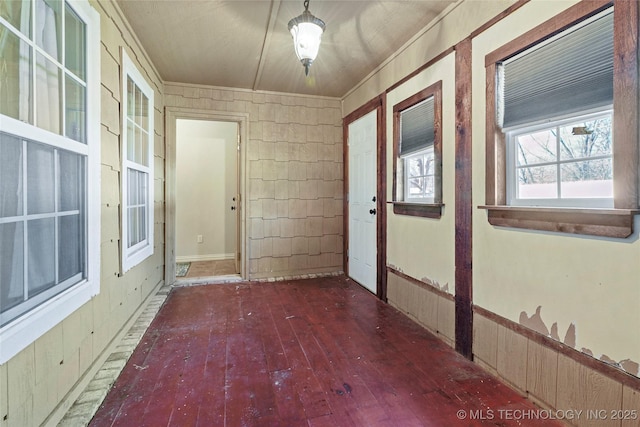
(315, 352)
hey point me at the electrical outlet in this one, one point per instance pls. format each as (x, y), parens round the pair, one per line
(199, 238)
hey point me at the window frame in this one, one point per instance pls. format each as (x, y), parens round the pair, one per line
(401, 206)
(28, 327)
(614, 222)
(132, 256)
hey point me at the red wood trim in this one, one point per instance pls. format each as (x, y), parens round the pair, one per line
(420, 69)
(617, 223)
(418, 209)
(463, 202)
(548, 29)
(490, 23)
(625, 104)
(603, 368)
(434, 90)
(421, 284)
(382, 199)
(491, 145)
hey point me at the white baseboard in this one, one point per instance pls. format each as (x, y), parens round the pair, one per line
(210, 257)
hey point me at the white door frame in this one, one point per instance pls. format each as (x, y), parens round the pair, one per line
(173, 114)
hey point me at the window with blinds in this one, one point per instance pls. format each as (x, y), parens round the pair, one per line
(554, 102)
(417, 149)
(568, 74)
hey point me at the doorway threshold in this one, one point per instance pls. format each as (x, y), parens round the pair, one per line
(190, 281)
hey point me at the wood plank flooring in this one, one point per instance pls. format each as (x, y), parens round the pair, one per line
(315, 352)
(211, 268)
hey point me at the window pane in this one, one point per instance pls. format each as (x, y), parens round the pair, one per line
(415, 166)
(74, 43)
(586, 139)
(48, 94)
(416, 187)
(537, 147)
(142, 229)
(41, 250)
(140, 144)
(40, 179)
(48, 28)
(71, 172)
(11, 191)
(71, 249)
(133, 226)
(138, 112)
(130, 98)
(132, 187)
(18, 14)
(144, 148)
(590, 179)
(145, 113)
(76, 107)
(131, 140)
(15, 76)
(143, 179)
(537, 182)
(11, 265)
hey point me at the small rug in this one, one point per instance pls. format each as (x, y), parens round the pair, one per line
(182, 268)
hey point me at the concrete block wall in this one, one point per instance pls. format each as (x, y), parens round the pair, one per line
(294, 176)
(39, 384)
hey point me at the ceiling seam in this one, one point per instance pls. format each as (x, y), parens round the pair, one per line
(275, 8)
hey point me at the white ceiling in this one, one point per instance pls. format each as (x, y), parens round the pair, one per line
(246, 43)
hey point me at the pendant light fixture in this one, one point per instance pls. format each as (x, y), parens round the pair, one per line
(306, 31)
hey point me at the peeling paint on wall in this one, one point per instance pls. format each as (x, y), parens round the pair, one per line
(535, 323)
(435, 284)
(631, 367)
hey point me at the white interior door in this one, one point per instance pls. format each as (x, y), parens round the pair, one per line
(362, 254)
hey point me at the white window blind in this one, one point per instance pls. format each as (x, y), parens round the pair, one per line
(417, 127)
(571, 73)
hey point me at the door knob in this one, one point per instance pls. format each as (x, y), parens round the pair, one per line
(233, 208)
(372, 211)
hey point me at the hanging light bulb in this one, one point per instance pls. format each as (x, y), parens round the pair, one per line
(306, 31)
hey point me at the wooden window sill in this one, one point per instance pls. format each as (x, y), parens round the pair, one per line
(425, 210)
(595, 222)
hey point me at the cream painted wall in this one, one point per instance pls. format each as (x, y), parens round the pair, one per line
(40, 383)
(423, 248)
(206, 183)
(454, 24)
(592, 283)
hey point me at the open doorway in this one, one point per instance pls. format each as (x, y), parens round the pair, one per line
(207, 195)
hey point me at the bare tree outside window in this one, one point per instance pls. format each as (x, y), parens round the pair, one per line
(572, 160)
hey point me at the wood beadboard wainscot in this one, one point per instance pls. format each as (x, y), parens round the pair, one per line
(554, 375)
(427, 305)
